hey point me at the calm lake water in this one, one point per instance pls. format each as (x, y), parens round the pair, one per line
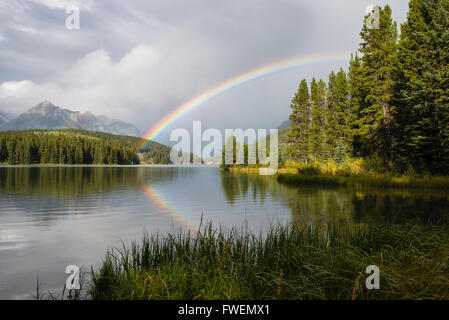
(52, 217)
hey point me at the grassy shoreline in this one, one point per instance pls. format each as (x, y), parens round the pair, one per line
(287, 262)
(426, 182)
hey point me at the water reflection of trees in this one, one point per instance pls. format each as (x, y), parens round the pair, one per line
(74, 181)
(385, 207)
(342, 206)
(45, 194)
(236, 184)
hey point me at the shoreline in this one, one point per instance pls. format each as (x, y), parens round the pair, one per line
(426, 182)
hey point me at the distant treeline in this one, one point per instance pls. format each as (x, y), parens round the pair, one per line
(70, 146)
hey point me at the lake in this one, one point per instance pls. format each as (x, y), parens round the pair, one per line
(55, 216)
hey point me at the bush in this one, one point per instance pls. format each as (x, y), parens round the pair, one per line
(351, 167)
(310, 170)
(374, 164)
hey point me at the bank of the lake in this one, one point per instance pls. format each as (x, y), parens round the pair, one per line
(287, 262)
(426, 182)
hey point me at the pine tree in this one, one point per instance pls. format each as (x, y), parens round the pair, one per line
(422, 88)
(3, 151)
(45, 153)
(79, 156)
(379, 49)
(62, 155)
(54, 155)
(11, 146)
(317, 126)
(26, 152)
(333, 131)
(113, 157)
(355, 103)
(231, 142)
(343, 110)
(325, 151)
(340, 152)
(299, 129)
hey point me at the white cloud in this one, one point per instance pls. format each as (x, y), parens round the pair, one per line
(136, 86)
(12, 89)
(63, 4)
(24, 28)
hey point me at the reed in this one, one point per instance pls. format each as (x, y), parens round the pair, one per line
(286, 262)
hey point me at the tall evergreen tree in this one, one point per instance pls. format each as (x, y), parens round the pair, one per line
(340, 151)
(422, 88)
(355, 102)
(299, 129)
(331, 113)
(343, 110)
(317, 126)
(379, 49)
(338, 110)
(26, 152)
(11, 147)
(79, 157)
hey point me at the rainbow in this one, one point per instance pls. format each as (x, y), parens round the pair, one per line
(167, 209)
(254, 74)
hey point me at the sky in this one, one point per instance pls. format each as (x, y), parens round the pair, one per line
(139, 60)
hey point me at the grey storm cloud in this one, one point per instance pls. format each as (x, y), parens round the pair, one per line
(138, 60)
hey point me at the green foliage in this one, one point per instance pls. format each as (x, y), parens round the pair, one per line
(374, 164)
(70, 146)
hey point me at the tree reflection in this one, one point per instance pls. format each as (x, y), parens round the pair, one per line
(321, 206)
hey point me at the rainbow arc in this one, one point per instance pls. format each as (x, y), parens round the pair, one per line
(239, 80)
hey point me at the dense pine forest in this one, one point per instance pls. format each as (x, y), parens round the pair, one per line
(70, 146)
(391, 108)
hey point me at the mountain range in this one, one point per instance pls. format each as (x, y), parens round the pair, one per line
(3, 118)
(48, 116)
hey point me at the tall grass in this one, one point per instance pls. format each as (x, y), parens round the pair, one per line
(355, 172)
(286, 262)
(426, 182)
(351, 167)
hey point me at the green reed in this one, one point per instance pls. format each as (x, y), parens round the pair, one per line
(285, 262)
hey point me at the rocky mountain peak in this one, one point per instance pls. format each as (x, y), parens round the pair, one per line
(46, 115)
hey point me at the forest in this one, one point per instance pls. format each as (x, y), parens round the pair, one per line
(391, 107)
(70, 146)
